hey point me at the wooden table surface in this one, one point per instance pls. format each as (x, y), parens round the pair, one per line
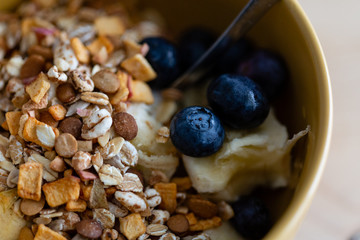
(335, 211)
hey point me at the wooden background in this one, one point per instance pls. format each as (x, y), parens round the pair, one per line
(335, 211)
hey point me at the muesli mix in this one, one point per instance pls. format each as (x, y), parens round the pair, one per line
(85, 148)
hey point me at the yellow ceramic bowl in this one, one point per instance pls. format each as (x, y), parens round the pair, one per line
(286, 30)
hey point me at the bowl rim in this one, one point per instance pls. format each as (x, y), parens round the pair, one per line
(286, 227)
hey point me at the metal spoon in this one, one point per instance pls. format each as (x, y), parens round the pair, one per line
(243, 22)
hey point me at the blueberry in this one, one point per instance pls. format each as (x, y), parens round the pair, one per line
(192, 44)
(238, 101)
(267, 69)
(236, 52)
(252, 218)
(163, 57)
(196, 131)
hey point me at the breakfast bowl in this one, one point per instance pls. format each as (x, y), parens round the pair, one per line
(305, 104)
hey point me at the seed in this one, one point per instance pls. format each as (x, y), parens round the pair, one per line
(71, 125)
(125, 125)
(89, 228)
(65, 92)
(178, 224)
(66, 145)
(106, 81)
(30, 207)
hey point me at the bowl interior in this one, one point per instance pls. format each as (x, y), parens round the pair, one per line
(307, 101)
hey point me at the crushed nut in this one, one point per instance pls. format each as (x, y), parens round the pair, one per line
(139, 67)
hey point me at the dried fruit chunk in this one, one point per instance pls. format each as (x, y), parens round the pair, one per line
(76, 205)
(106, 81)
(141, 92)
(62, 191)
(168, 196)
(81, 52)
(30, 179)
(132, 226)
(57, 111)
(12, 119)
(139, 67)
(45, 233)
(38, 88)
(202, 225)
(109, 25)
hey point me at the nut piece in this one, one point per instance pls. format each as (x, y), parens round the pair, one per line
(202, 225)
(225, 211)
(89, 228)
(71, 125)
(132, 226)
(45, 233)
(202, 208)
(131, 201)
(13, 119)
(105, 217)
(141, 92)
(97, 124)
(65, 93)
(81, 161)
(95, 98)
(66, 145)
(57, 111)
(168, 196)
(98, 196)
(125, 125)
(139, 67)
(109, 25)
(106, 81)
(182, 184)
(178, 224)
(30, 179)
(32, 66)
(38, 88)
(46, 135)
(76, 205)
(81, 52)
(61, 191)
(31, 207)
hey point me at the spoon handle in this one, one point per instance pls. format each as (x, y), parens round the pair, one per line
(247, 18)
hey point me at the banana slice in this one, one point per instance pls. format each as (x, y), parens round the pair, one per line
(247, 159)
(224, 232)
(10, 223)
(152, 155)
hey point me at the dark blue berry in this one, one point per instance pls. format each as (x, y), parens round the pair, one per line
(236, 52)
(238, 101)
(252, 218)
(192, 44)
(196, 131)
(163, 57)
(267, 69)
